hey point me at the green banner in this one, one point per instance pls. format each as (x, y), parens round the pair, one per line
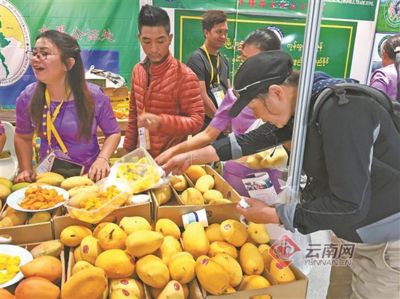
(388, 16)
(339, 9)
(106, 32)
(331, 58)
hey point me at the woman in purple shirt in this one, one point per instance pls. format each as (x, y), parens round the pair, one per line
(256, 42)
(63, 110)
(387, 78)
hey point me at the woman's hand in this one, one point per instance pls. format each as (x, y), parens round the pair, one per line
(178, 164)
(25, 176)
(162, 158)
(99, 169)
(258, 212)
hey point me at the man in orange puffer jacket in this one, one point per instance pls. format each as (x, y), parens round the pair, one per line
(165, 104)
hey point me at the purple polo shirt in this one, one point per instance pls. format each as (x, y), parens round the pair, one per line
(385, 79)
(1, 128)
(79, 150)
(223, 121)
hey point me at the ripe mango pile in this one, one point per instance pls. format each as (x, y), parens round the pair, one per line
(225, 258)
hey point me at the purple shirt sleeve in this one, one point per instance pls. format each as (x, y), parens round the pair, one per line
(105, 117)
(1, 128)
(221, 119)
(24, 123)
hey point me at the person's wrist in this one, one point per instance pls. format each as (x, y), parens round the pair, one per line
(103, 158)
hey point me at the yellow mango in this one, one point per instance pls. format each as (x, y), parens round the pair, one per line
(152, 271)
(178, 182)
(213, 233)
(231, 266)
(173, 289)
(163, 194)
(217, 247)
(79, 266)
(143, 242)
(212, 276)
(76, 181)
(251, 259)
(195, 240)
(86, 284)
(194, 172)
(52, 248)
(116, 263)
(255, 282)
(72, 235)
(282, 274)
(111, 236)
(234, 232)
(6, 182)
(267, 257)
(168, 228)
(211, 195)
(37, 288)
(169, 247)
(258, 232)
(90, 249)
(134, 286)
(182, 267)
(45, 266)
(192, 196)
(134, 224)
(4, 192)
(204, 183)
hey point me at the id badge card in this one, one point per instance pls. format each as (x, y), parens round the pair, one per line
(218, 94)
(144, 138)
(46, 164)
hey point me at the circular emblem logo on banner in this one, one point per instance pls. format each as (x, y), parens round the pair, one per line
(392, 13)
(14, 42)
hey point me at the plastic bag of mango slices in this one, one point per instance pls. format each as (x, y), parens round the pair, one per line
(139, 170)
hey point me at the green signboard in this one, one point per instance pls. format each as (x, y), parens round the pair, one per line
(105, 30)
(340, 9)
(335, 47)
(388, 16)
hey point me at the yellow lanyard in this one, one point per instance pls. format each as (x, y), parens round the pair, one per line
(211, 65)
(50, 128)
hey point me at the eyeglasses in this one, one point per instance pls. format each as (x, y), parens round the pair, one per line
(39, 55)
(237, 92)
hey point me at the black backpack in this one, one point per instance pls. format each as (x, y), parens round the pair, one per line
(342, 89)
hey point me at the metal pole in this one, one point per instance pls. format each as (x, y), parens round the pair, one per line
(311, 36)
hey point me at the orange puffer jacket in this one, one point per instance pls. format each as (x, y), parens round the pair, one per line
(173, 94)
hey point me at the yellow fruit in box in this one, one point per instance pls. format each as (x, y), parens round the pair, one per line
(264, 249)
(173, 289)
(77, 254)
(129, 284)
(76, 181)
(53, 248)
(234, 232)
(250, 259)
(121, 293)
(194, 172)
(255, 282)
(219, 201)
(4, 192)
(50, 180)
(90, 249)
(72, 236)
(169, 247)
(163, 194)
(86, 284)
(168, 228)
(212, 276)
(37, 288)
(39, 217)
(258, 233)
(178, 182)
(45, 266)
(204, 183)
(79, 266)
(231, 266)
(143, 242)
(192, 196)
(280, 272)
(213, 233)
(212, 194)
(181, 267)
(134, 224)
(48, 175)
(217, 247)
(111, 236)
(4, 294)
(195, 240)
(116, 263)
(98, 228)
(152, 271)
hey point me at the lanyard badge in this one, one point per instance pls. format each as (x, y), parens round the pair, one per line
(216, 89)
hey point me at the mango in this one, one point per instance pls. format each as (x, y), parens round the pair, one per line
(143, 242)
(194, 172)
(134, 286)
(79, 266)
(163, 194)
(37, 288)
(83, 189)
(86, 284)
(4, 294)
(231, 266)
(72, 236)
(90, 249)
(255, 282)
(122, 294)
(134, 224)
(234, 232)
(258, 233)
(192, 196)
(116, 263)
(49, 180)
(168, 228)
(169, 247)
(267, 257)
(195, 240)
(173, 289)
(77, 254)
(181, 267)
(251, 259)
(204, 183)
(219, 201)
(178, 182)
(211, 195)
(39, 217)
(76, 181)
(212, 276)
(18, 186)
(52, 248)
(111, 236)
(281, 273)
(4, 192)
(6, 182)
(213, 233)
(45, 266)
(217, 247)
(152, 271)
(42, 175)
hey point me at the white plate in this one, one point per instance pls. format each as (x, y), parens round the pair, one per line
(15, 198)
(25, 257)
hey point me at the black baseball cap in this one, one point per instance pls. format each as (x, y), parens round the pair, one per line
(257, 73)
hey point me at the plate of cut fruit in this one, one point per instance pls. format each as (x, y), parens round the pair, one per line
(11, 259)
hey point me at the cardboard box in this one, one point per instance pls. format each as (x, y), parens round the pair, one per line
(116, 92)
(292, 290)
(28, 233)
(174, 209)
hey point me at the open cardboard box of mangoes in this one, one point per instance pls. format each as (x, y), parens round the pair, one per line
(200, 188)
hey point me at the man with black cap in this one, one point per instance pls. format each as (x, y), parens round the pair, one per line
(352, 162)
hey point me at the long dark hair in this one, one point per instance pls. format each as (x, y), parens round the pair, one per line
(75, 80)
(392, 48)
